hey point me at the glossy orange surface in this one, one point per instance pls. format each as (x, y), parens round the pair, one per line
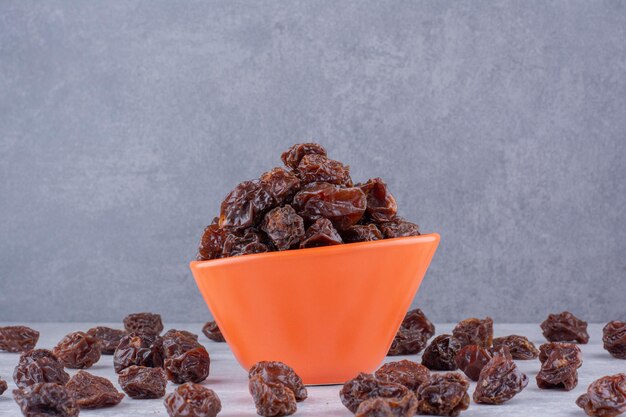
(328, 312)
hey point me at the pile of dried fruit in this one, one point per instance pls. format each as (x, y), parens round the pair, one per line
(311, 202)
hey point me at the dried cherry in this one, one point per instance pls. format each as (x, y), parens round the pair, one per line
(366, 386)
(605, 397)
(416, 319)
(212, 243)
(146, 323)
(292, 156)
(248, 243)
(192, 400)
(280, 373)
(176, 342)
(569, 351)
(398, 227)
(474, 331)
(443, 395)
(614, 338)
(565, 327)
(284, 227)
(109, 338)
(190, 366)
(320, 233)
(499, 381)
(519, 346)
(46, 399)
(381, 205)
(213, 332)
(140, 382)
(559, 370)
(18, 338)
(404, 372)
(471, 359)
(271, 398)
(318, 168)
(92, 391)
(3, 386)
(361, 233)
(244, 206)
(78, 350)
(440, 353)
(38, 366)
(138, 349)
(388, 407)
(344, 207)
(280, 184)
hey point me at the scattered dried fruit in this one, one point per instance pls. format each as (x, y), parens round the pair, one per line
(471, 359)
(366, 386)
(213, 332)
(3, 386)
(605, 397)
(279, 373)
(140, 382)
(46, 399)
(499, 381)
(190, 366)
(569, 351)
(440, 353)
(474, 331)
(138, 349)
(38, 366)
(565, 327)
(109, 338)
(192, 400)
(388, 407)
(92, 391)
(145, 323)
(404, 372)
(413, 334)
(78, 350)
(443, 395)
(270, 398)
(18, 338)
(519, 346)
(614, 338)
(559, 364)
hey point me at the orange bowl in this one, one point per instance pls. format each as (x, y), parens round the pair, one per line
(328, 312)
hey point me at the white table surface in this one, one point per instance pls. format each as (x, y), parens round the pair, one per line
(229, 380)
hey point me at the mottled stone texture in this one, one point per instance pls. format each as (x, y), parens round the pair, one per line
(500, 125)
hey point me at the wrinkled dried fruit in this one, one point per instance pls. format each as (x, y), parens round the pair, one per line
(284, 227)
(499, 381)
(248, 243)
(443, 395)
(559, 367)
(39, 365)
(3, 386)
(109, 338)
(366, 386)
(381, 206)
(318, 168)
(439, 354)
(344, 207)
(569, 351)
(361, 233)
(474, 331)
(605, 397)
(270, 398)
(519, 346)
(398, 227)
(211, 243)
(280, 184)
(412, 335)
(176, 342)
(192, 400)
(145, 323)
(500, 351)
(614, 338)
(46, 399)
(213, 332)
(18, 338)
(279, 373)
(143, 383)
(138, 349)
(321, 233)
(78, 350)
(565, 327)
(404, 372)
(190, 366)
(471, 359)
(388, 407)
(292, 156)
(245, 205)
(92, 391)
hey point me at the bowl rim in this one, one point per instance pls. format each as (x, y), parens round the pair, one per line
(406, 240)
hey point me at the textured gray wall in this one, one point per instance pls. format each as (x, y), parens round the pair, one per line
(500, 125)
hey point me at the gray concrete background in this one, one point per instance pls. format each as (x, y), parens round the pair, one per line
(500, 125)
